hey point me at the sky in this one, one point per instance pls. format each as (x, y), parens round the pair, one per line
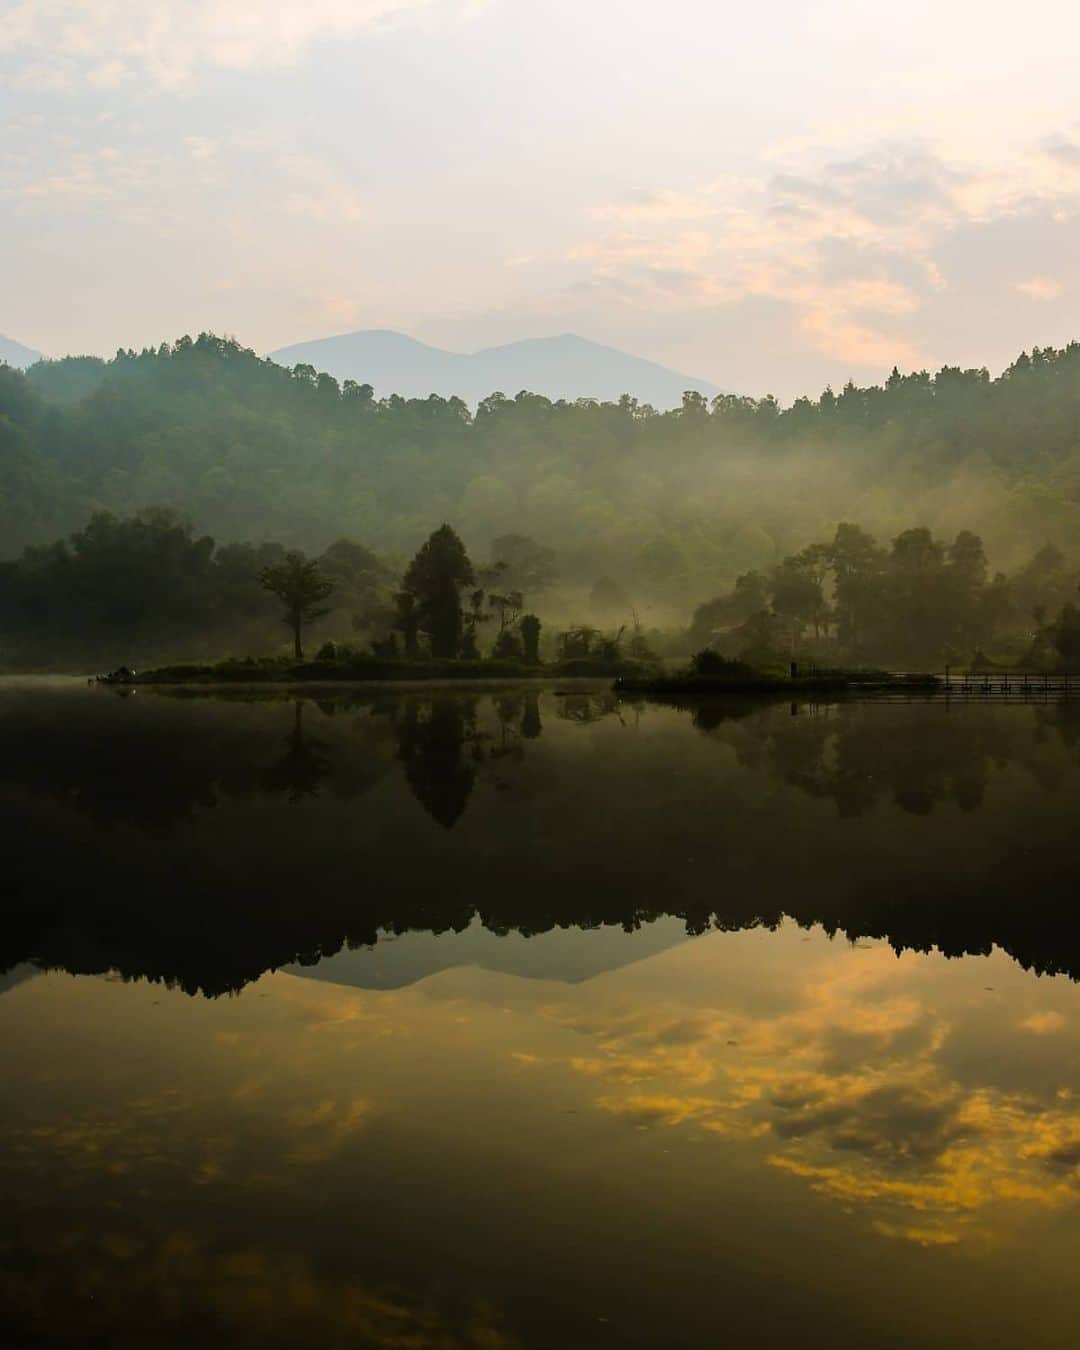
(773, 197)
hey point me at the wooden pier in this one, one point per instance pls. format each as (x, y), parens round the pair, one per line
(991, 686)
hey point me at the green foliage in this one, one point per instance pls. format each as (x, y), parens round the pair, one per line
(711, 663)
(921, 601)
(583, 643)
(508, 647)
(69, 379)
(1066, 637)
(680, 502)
(146, 587)
(530, 639)
(434, 581)
(302, 588)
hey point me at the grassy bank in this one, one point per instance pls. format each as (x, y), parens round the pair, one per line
(736, 678)
(274, 670)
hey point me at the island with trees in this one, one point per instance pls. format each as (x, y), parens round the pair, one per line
(432, 625)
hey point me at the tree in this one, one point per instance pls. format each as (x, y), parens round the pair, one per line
(301, 587)
(407, 623)
(1066, 637)
(508, 646)
(749, 596)
(508, 605)
(473, 618)
(435, 577)
(857, 562)
(530, 639)
(796, 592)
(577, 643)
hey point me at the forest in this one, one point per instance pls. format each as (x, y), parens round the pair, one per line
(148, 588)
(671, 506)
(858, 526)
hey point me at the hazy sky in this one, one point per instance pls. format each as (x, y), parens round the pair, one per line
(770, 196)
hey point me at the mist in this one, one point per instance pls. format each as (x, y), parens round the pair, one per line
(646, 515)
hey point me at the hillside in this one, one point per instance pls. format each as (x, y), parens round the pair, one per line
(566, 367)
(669, 505)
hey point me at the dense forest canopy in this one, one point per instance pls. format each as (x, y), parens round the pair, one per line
(148, 587)
(671, 506)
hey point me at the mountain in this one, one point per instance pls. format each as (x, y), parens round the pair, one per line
(15, 354)
(560, 367)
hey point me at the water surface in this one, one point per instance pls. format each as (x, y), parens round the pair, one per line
(537, 1018)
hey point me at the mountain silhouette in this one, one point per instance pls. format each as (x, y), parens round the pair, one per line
(15, 354)
(567, 367)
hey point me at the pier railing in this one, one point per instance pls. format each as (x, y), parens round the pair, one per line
(989, 686)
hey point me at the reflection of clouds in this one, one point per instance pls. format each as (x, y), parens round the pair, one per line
(321, 1130)
(925, 1237)
(162, 1136)
(267, 1068)
(727, 1118)
(1043, 1024)
(254, 1097)
(275, 1297)
(850, 1083)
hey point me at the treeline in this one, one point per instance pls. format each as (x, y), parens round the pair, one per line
(148, 588)
(918, 601)
(668, 504)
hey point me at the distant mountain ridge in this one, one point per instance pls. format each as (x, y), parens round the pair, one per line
(16, 354)
(566, 366)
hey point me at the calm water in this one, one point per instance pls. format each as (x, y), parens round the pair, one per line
(537, 1019)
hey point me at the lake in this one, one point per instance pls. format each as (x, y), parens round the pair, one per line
(536, 1017)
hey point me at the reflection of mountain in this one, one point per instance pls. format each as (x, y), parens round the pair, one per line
(566, 954)
(16, 975)
(1042, 934)
(204, 841)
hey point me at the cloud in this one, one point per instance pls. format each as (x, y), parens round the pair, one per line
(253, 182)
(1040, 288)
(318, 193)
(107, 42)
(1063, 151)
(858, 247)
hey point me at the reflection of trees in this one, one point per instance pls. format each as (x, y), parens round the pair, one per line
(112, 903)
(587, 706)
(1063, 718)
(181, 946)
(531, 726)
(432, 735)
(303, 766)
(859, 757)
